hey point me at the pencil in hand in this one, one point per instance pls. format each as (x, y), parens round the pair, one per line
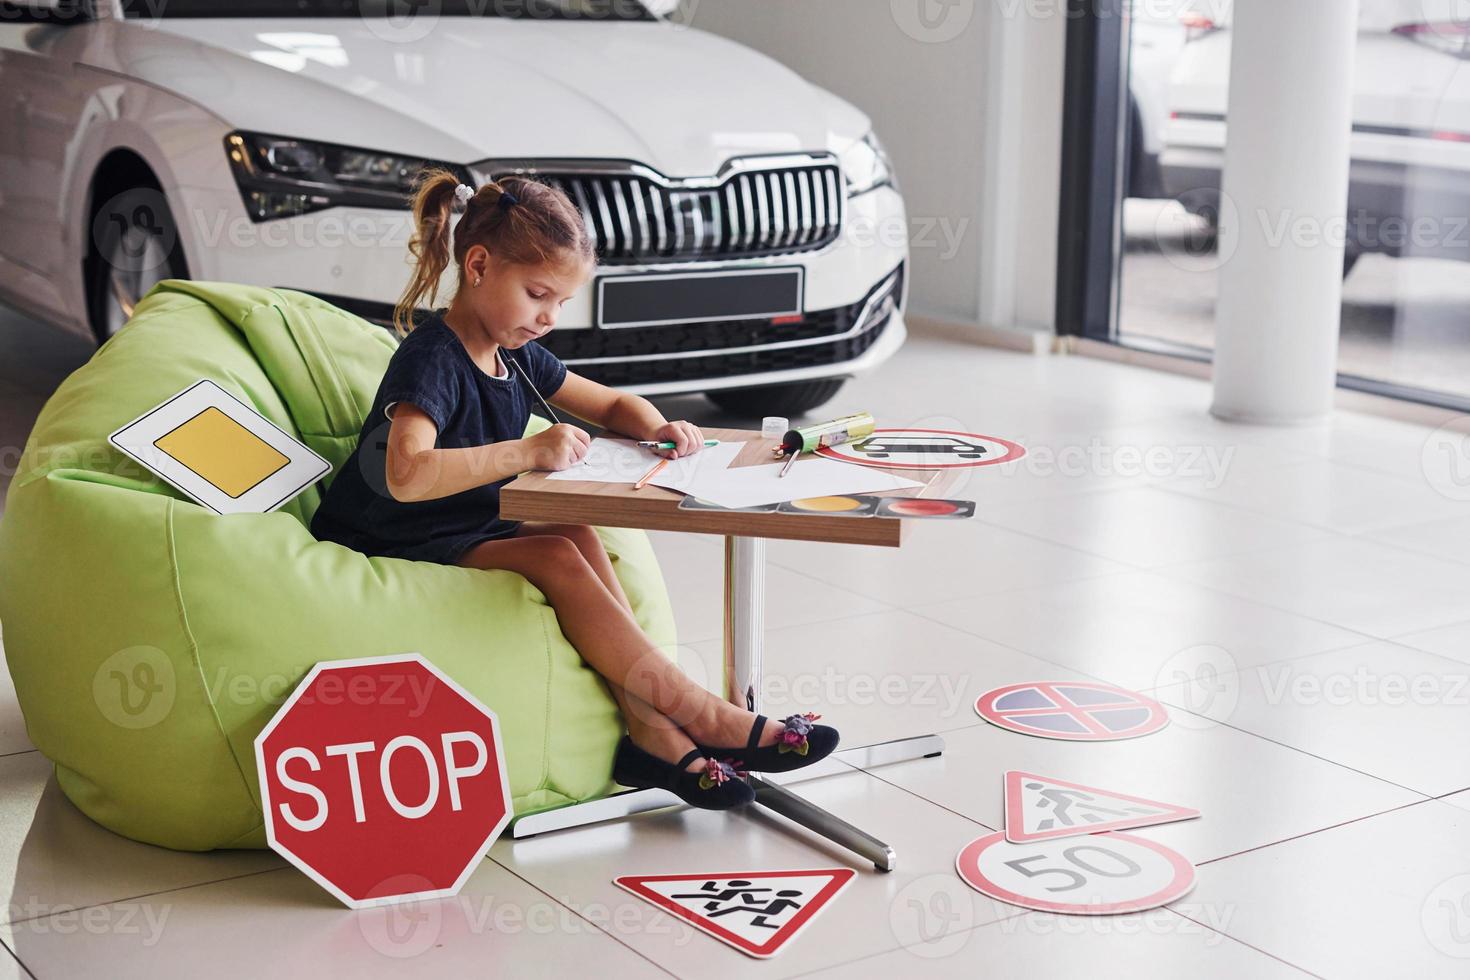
(544, 404)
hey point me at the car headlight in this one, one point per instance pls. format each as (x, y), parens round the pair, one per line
(280, 177)
(866, 166)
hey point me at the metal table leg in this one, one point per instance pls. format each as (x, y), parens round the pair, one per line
(745, 579)
(745, 620)
(819, 821)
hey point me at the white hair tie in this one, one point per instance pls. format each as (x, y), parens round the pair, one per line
(464, 192)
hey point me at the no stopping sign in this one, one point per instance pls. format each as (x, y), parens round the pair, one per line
(383, 780)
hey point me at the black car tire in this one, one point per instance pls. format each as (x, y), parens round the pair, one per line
(134, 245)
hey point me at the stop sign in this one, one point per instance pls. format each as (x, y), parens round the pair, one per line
(383, 780)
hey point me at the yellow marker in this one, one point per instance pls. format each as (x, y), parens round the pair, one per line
(222, 451)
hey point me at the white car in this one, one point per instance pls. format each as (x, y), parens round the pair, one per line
(752, 238)
(1410, 171)
(1156, 36)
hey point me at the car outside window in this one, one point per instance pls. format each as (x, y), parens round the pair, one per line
(600, 10)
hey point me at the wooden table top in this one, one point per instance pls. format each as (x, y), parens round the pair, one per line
(532, 497)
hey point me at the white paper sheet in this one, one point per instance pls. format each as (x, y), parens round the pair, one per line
(624, 461)
(751, 486)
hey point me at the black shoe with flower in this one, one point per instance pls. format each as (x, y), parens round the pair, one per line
(799, 744)
(719, 786)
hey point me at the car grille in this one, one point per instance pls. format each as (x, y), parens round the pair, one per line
(638, 219)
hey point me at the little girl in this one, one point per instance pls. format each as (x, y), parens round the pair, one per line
(456, 399)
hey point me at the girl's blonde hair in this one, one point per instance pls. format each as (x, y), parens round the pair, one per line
(543, 226)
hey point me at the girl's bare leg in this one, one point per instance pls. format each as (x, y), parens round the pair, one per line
(649, 730)
(656, 698)
(591, 547)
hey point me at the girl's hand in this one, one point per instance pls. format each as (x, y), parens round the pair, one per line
(558, 447)
(685, 436)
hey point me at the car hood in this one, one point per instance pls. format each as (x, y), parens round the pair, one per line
(471, 88)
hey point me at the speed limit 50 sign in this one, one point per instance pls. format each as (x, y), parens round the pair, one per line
(1100, 874)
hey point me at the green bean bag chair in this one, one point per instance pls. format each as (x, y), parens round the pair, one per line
(150, 640)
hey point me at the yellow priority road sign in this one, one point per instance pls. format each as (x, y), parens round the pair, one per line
(221, 452)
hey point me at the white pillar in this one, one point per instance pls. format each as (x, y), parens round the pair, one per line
(1283, 209)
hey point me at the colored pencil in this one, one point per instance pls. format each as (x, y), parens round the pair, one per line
(650, 474)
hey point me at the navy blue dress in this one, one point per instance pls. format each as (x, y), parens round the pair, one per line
(432, 370)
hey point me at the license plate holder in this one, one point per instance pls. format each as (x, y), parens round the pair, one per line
(668, 298)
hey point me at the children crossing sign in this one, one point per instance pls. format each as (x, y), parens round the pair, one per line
(757, 912)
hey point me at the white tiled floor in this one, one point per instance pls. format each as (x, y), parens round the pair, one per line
(1312, 581)
(1447, 641)
(1376, 589)
(1372, 707)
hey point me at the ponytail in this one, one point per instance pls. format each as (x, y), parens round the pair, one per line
(432, 203)
(541, 225)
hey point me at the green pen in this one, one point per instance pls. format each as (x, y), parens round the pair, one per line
(670, 445)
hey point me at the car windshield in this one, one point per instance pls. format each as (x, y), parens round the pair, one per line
(529, 9)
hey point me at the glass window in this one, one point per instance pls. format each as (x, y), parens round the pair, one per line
(1406, 294)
